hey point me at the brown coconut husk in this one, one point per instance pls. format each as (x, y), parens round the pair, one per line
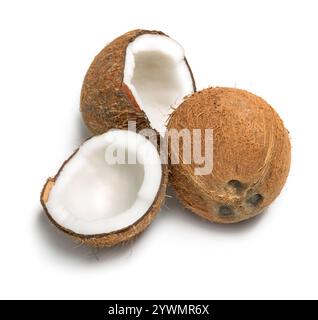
(252, 155)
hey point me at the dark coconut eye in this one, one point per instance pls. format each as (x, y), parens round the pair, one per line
(255, 199)
(237, 185)
(225, 211)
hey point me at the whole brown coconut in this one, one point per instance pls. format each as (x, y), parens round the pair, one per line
(137, 77)
(251, 156)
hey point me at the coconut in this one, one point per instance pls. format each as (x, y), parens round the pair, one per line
(137, 77)
(251, 155)
(108, 191)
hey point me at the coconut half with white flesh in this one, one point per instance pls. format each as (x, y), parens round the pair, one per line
(139, 77)
(109, 190)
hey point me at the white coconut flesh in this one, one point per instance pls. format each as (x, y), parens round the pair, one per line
(157, 75)
(108, 185)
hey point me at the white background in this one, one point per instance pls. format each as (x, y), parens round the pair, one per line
(269, 48)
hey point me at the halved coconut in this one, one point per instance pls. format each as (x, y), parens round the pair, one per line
(109, 190)
(137, 77)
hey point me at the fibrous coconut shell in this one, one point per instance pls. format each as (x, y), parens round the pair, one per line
(251, 155)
